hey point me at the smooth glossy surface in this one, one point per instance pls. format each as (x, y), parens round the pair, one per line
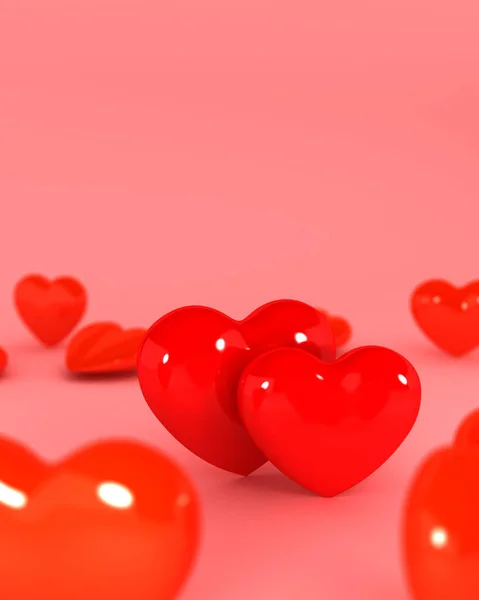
(449, 316)
(50, 309)
(3, 360)
(103, 348)
(190, 363)
(328, 426)
(341, 328)
(116, 521)
(441, 526)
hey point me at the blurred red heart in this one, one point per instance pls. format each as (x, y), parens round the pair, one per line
(341, 328)
(103, 348)
(441, 526)
(50, 309)
(116, 521)
(468, 431)
(3, 360)
(191, 360)
(449, 316)
(325, 425)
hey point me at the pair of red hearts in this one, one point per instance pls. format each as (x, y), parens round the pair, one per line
(115, 521)
(240, 393)
(52, 310)
(449, 316)
(441, 521)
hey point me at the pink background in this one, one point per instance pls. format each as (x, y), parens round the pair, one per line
(228, 153)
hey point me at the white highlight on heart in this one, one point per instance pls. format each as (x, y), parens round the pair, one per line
(115, 495)
(300, 338)
(402, 379)
(438, 537)
(11, 497)
(220, 344)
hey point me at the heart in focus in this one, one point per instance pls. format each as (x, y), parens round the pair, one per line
(190, 363)
(440, 532)
(115, 521)
(325, 425)
(449, 316)
(50, 309)
(103, 348)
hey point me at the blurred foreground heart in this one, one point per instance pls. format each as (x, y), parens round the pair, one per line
(441, 522)
(325, 425)
(190, 363)
(449, 316)
(115, 521)
(103, 348)
(50, 309)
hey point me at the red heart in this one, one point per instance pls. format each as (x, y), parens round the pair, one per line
(328, 426)
(50, 309)
(103, 348)
(341, 328)
(3, 360)
(116, 521)
(468, 432)
(449, 316)
(440, 532)
(190, 362)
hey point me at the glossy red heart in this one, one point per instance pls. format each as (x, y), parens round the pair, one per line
(50, 309)
(190, 362)
(341, 329)
(449, 316)
(103, 348)
(115, 521)
(325, 425)
(440, 531)
(3, 360)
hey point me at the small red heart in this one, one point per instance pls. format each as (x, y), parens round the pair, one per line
(103, 348)
(3, 360)
(191, 360)
(449, 316)
(115, 521)
(440, 531)
(341, 329)
(325, 425)
(50, 309)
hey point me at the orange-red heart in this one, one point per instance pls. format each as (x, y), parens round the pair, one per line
(441, 521)
(449, 316)
(115, 521)
(104, 348)
(50, 309)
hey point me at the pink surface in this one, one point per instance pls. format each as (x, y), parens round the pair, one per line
(229, 153)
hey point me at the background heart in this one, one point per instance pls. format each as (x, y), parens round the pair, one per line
(103, 348)
(190, 363)
(50, 309)
(449, 316)
(3, 360)
(325, 425)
